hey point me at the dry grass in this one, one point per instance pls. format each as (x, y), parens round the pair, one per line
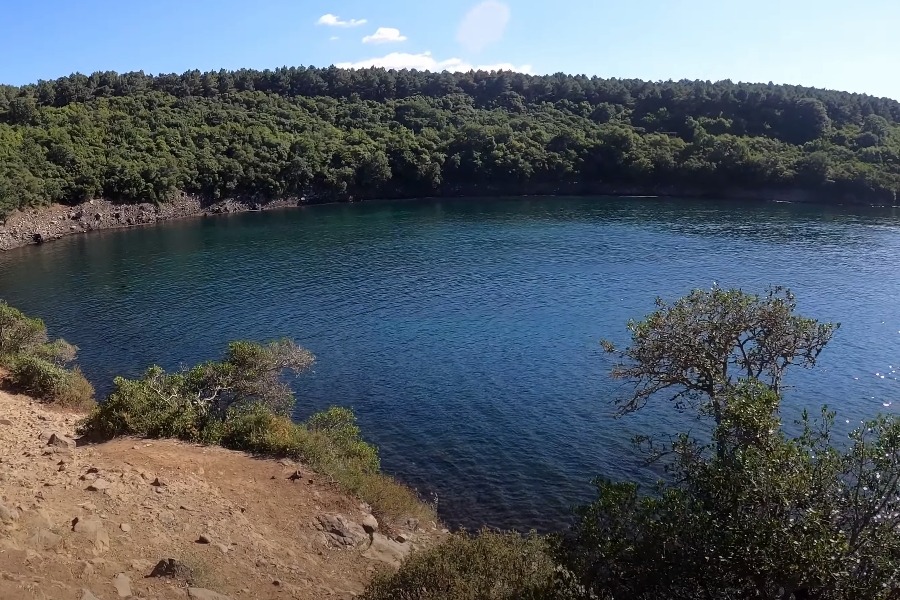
(486, 566)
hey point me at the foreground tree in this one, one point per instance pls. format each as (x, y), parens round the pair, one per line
(749, 512)
(773, 517)
(698, 348)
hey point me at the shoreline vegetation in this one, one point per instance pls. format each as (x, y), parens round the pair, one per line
(239, 403)
(747, 511)
(151, 147)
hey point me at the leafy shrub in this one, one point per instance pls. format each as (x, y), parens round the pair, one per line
(487, 566)
(52, 383)
(338, 426)
(750, 511)
(37, 366)
(153, 406)
(18, 333)
(242, 403)
(195, 404)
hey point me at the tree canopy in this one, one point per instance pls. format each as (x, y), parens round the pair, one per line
(334, 134)
(750, 511)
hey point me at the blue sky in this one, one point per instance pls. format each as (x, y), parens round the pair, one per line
(825, 43)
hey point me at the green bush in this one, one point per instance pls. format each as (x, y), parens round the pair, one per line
(49, 382)
(487, 566)
(18, 333)
(151, 406)
(241, 403)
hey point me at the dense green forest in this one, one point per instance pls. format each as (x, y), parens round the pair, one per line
(335, 134)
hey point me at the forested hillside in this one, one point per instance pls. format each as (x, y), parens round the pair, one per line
(334, 134)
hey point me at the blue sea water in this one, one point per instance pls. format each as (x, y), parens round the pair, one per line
(465, 333)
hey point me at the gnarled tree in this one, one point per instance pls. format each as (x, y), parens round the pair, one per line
(698, 348)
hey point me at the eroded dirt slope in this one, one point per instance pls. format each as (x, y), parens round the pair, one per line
(95, 521)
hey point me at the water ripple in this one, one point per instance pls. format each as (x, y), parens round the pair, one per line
(465, 333)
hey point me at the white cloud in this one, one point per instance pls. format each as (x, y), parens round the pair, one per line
(424, 61)
(334, 38)
(335, 21)
(483, 25)
(384, 35)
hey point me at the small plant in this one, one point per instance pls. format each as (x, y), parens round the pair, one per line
(52, 383)
(486, 566)
(39, 367)
(18, 333)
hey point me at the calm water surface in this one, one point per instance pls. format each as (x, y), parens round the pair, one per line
(465, 333)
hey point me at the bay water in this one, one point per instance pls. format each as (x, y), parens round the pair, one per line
(465, 333)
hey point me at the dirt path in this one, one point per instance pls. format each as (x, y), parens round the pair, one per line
(94, 521)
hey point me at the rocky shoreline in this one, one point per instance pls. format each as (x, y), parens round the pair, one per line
(47, 223)
(44, 224)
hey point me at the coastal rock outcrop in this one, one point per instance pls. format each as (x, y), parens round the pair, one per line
(39, 225)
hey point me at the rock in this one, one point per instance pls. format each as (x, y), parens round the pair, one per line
(87, 595)
(125, 527)
(370, 524)
(167, 517)
(140, 565)
(223, 548)
(44, 539)
(60, 441)
(202, 594)
(157, 483)
(172, 569)
(101, 542)
(204, 538)
(386, 550)
(296, 475)
(122, 583)
(412, 524)
(401, 538)
(87, 569)
(87, 525)
(8, 515)
(6, 422)
(92, 528)
(341, 531)
(99, 485)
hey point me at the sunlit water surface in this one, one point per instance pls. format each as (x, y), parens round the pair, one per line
(465, 333)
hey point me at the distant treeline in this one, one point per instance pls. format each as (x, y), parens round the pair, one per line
(333, 133)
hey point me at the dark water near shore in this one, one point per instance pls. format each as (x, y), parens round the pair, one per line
(465, 333)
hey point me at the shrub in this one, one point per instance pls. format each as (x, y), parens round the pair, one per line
(49, 382)
(18, 333)
(153, 406)
(241, 403)
(338, 426)
(487, 566)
